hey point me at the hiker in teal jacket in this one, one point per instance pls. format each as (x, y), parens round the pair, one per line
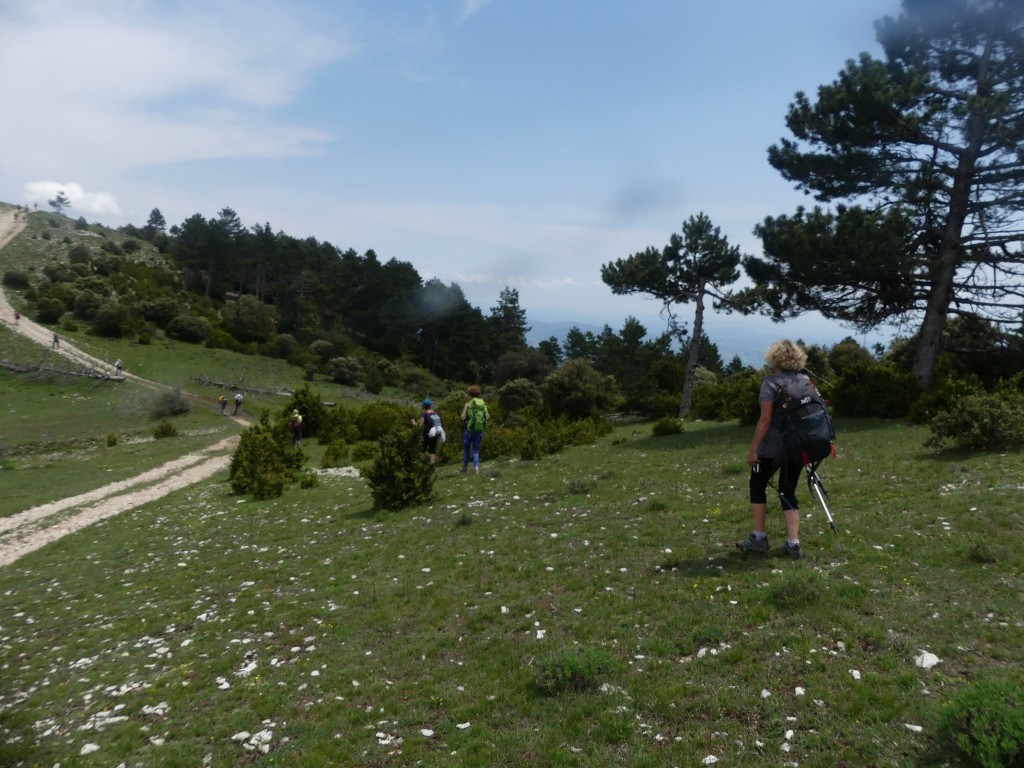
(474, 420)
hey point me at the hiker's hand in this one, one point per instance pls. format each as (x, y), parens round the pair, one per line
(751, 458)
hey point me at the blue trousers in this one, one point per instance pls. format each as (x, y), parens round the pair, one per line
(471, 447)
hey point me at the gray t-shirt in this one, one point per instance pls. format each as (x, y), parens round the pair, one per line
(771, 445)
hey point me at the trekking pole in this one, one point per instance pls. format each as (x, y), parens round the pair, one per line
(814, 484)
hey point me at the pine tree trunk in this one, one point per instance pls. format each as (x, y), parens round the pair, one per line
(691, 361)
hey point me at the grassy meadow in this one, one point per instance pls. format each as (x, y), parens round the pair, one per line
(587, 609)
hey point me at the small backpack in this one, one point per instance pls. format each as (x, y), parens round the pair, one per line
(435, 420)
(802, 417)
(476, 415)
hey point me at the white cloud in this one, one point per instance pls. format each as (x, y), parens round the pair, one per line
(471, 8)
(82, 202)
(108, 86)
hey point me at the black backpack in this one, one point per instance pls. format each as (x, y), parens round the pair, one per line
(802, 418)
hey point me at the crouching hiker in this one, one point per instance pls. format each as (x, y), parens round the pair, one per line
(433, 432)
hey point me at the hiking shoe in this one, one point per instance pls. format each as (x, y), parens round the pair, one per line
(752, 544)
(792, 551)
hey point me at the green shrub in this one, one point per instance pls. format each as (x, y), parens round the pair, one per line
(264, 461)
(363, 451)
(943, 394)
(309, 480)
(189, 328)
(111, 440)
(164, 428)
(577, 390)
(336, 455)
(377, 419)
(572, 669)
(79, 254)
(874, 390)
(400, 476)
(310, 405)
(338, 426)
(734, 398)
(49, 310)
(983, 422)
(667, 425)
(374, 381)
(983, 724)
(519, 395)
(347, 371)
(17, 280)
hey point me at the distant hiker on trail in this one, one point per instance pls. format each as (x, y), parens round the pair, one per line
(295, 425)
(17, 317)
(223, 402)
(786, 360)
(474, 420)
(433, 432)
(55, 344)
(118, 365)
(238, 403)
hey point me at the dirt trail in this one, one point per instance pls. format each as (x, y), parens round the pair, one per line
(36, 527)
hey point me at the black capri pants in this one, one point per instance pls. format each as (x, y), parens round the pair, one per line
(761, 474)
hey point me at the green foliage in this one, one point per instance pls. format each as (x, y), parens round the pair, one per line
(983, 724)
(309, 480)
(189, 328)
(667, 425)
(49, 310)
(347, 371)
(79, 254)
(363, 451)
(733, 398)
(264, 461)
(374, 380)
(577, 391)
(165, 428)
(942, 395)
(170, 403)
(112, 320)
(400, 476)
(338, 426)
(377, 419)
(982, 422)
(321, 349)
(311, 405)
(518, 395)
(870, 389)
(15, 279)
(249, 319)
(573, 669)
(336, 455)
(111, 440)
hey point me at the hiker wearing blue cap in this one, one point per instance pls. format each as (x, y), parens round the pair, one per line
(433, 432)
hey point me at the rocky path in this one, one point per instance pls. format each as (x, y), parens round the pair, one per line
(34, 528)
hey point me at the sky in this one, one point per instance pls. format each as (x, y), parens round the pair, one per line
(490, 143)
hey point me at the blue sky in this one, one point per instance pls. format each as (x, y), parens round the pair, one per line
(490, 143)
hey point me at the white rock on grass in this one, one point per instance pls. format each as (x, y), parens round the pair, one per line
(88, 749)
(926, 660)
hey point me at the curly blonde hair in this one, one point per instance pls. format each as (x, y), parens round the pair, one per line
(785, 355)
